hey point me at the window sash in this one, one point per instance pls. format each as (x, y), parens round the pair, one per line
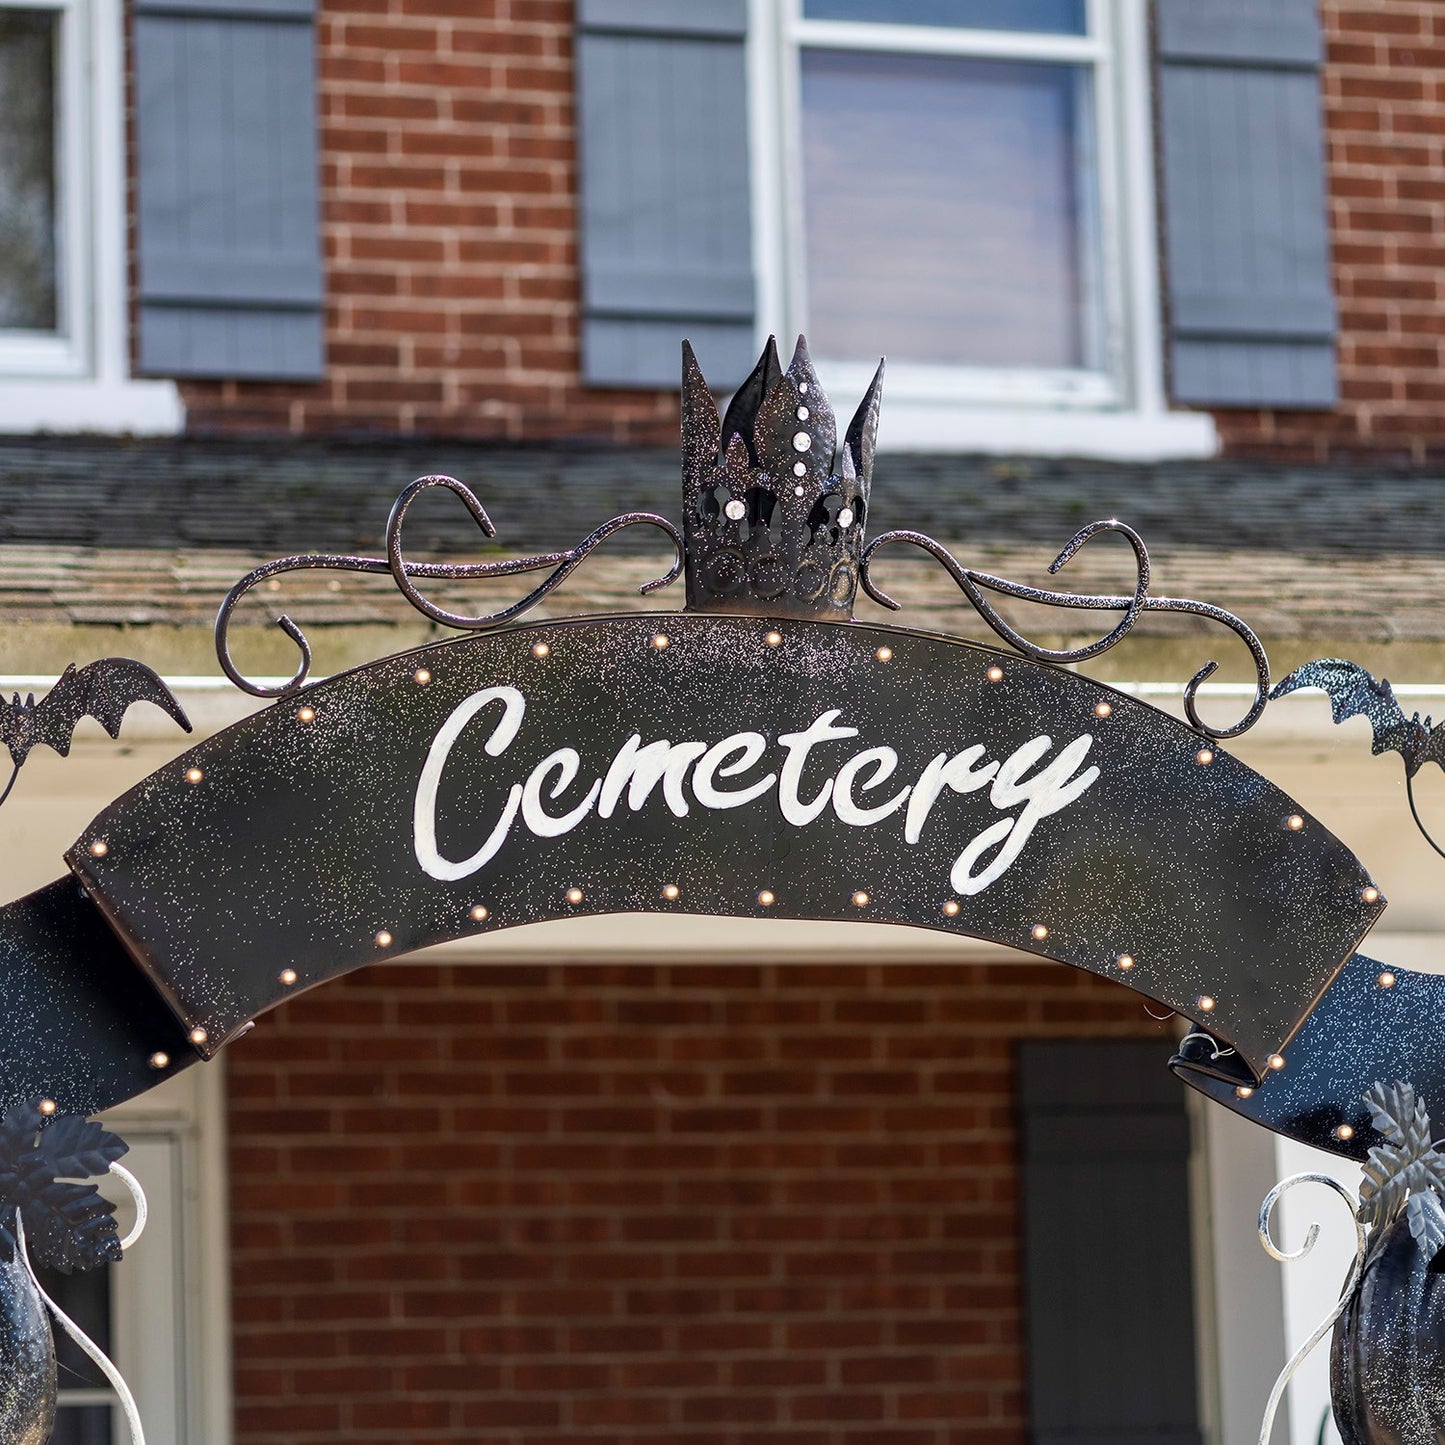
(781, 234)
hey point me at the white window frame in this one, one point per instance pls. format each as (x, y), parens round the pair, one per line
(170, 1295)
(1120, 411)
(62, 352)
(79, 378)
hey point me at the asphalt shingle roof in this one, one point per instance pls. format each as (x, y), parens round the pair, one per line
(105, 534)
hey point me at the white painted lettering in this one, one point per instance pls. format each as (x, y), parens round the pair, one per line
(565, 763)
(424, 812)
(1051, 788)
(748, 748)
(639, 769)
(695, 771)
(799, 745)
(956, 772)
(884, 762)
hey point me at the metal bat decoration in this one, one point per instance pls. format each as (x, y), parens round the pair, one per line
(104, 690)
(1354, 692)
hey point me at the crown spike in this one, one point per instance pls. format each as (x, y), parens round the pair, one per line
(700, 437)
(796, 424)
(862, 437)
(743, 408)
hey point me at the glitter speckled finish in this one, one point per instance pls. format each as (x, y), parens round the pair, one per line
(770, 528)
(79, 1021)
(1387, 1358)
(104, 690)
(297, 851)
(1353, 692)
(27, 1360)
(1376, 1021)
(975, 584)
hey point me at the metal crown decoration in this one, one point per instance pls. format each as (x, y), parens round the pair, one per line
(769, 528)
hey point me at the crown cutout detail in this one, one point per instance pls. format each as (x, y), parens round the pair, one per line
(770, 529)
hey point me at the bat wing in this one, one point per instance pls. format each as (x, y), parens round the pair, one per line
(1434, 749)
(103, 690)
(15, 729)
(1353, 692)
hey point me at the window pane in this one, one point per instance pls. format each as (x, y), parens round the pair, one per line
(82, 1425)
(1064, 17)
(948, 207)
(28, 41)
(85, 1297)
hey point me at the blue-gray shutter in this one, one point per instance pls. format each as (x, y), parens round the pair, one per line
(1108, 1278)
(1252, 316)
(227, 207)
(666, 211)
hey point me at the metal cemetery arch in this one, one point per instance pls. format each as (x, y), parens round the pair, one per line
(721, 765)
(759, 755)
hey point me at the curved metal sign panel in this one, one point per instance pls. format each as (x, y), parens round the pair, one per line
(723, 765)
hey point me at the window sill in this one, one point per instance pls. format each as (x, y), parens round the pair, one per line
(1122, 436)
(136, 408)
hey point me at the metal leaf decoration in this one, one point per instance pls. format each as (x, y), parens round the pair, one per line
(1427, 1222)
(1406, 1172)
(43, 1161)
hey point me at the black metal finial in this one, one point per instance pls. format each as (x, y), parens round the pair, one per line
(770, 529)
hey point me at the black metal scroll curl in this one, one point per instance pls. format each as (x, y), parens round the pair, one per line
(402, 572)
(974, 583)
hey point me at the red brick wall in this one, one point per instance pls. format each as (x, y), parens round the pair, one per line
(449, 227)
(640, 1204)
(449, 200)
(1384, 93)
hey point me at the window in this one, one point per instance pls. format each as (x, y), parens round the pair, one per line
(160, 1314)
(63, 348)
(42, 301)
(966, 187)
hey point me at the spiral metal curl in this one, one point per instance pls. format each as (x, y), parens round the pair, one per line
(403, 571)
(974, 584)
(1266, 1209)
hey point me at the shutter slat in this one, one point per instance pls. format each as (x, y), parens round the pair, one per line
(302, 10)
(627, 291)
(723, 18)
(202, 278)
(1246, 32)
(1252, 315)
(231, 280)
(1242, 314)
(666, 210)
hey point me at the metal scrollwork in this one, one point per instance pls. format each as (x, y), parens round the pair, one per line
(1266, 1210)
(974, 584)
(562, 564)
